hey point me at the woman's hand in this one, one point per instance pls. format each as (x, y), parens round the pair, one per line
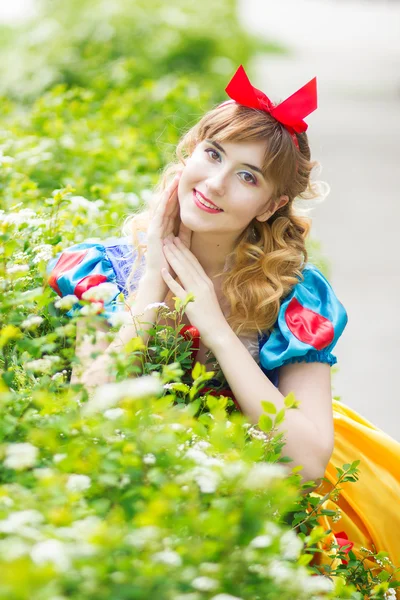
(204, 312)
(164, 225)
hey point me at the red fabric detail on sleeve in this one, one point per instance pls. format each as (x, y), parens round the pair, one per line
(308, 326)
(66, 261)
(88, 282)
(190, 332)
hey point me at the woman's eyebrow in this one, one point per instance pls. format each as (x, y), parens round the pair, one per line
(217, 145)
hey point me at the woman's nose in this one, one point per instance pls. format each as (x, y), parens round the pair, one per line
(217, 184)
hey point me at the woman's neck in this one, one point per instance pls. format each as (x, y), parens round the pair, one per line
(211, 250)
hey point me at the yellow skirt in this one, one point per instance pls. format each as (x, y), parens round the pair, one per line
(370, 507)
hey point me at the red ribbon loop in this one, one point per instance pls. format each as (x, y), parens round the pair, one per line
(290, 113)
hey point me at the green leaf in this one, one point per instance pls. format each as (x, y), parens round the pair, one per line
(197, 371)
(280, 417)
(268, 407)
(290, 401)
(265, 423)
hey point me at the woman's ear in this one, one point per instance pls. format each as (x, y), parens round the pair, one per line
(274, 206)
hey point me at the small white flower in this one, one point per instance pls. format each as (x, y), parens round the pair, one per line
(208, 567)
(104, 292)
(58, 377)
(66, 302)
(204, 584)
(206, 479)
(7, 501)
(20, 456)
(17, 269)
(43, 252)
(291, 545)
(94, 308)
(18, 519)
(32, 322)
(120, 318)
(109, 394)
(149, 459)
(142, 536)
(261, 475)
(168, 557)
(156, 305)
(42, 365)
(114, 413)
(390, 594)
(78, 483)
(43, 473)
(12, 548)
(59, 457)
(280, 571)
(261, 541)
(318, 584)
(79, 203)
(52, 551)
(177, 426)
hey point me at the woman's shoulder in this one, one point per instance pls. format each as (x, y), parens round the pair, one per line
(310, 321)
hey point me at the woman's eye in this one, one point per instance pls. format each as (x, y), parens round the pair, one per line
(252, 179)
(211, 150)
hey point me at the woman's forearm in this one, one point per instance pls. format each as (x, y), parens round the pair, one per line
(100, 370)
(151, 289)
(249, 384)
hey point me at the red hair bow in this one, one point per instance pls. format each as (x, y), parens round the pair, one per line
(290, 112)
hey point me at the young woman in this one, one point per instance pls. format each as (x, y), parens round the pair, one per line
(227, 229)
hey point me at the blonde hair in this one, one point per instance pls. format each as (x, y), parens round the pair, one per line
(270, 256)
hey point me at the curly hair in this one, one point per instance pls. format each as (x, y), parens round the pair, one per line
(270, 256)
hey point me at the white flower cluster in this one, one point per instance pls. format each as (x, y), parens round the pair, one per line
(21, 522)
(205, 584)
(94, 308)
(109, 394)
(262, 474)
(66, 302)
(26, 216)
(91, 207)
(104, 292)
(168, 557)
(390, 594)
(43, 253)
(42, 365)
(291, 545)
(53, 551)
(156, 305)
(20, 456)
(114, 413)
(149, 459)
(17, 269)
(120, 318)
(32, 322)
(78, 483)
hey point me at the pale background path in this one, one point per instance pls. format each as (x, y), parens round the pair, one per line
(353, 47)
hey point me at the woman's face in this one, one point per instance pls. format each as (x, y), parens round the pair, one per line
(227, 175)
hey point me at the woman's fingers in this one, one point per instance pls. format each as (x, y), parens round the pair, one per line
(169, 191)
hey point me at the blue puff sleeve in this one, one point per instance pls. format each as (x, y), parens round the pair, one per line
(310, 321)
(88, 264)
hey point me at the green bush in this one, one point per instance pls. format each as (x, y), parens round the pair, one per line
(150, 488)
(101, 45)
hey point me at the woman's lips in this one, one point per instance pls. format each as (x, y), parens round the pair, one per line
(203, 207)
